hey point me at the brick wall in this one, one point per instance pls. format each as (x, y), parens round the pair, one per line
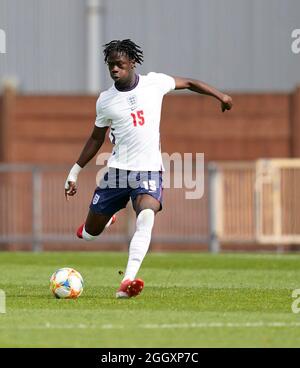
(53, 129)
(258, 126)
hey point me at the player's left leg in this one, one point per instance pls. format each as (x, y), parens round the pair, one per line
(145, 207)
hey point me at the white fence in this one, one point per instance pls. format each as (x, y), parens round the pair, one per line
(255, 202)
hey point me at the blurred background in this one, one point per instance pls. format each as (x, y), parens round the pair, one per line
(51, 73)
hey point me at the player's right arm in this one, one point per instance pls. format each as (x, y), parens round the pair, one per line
(89, 151)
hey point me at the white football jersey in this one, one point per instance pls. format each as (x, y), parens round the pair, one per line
(134, 119)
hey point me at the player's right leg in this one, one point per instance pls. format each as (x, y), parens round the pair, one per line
(107, 200)
(94, 225)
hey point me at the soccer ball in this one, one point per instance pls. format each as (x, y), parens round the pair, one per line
(66, 283)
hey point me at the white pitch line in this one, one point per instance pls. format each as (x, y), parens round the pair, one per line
(224, 325)
(159, 326)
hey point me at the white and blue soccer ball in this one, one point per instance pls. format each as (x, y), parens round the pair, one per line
(66, 283)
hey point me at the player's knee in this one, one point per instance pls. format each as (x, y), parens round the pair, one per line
(145, 219)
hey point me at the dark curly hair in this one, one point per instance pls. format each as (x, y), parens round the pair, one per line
(127, 47)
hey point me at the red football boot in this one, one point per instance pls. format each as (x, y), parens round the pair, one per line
(111, 221)
(129, 288)
(79, 231)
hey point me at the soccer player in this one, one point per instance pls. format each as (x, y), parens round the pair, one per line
(131, 109)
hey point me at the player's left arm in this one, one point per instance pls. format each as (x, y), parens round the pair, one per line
(205, 89)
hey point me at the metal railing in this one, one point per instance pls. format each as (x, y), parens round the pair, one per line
(33, 210)
(244, 202)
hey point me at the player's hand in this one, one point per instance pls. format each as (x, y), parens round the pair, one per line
(70, 184)
(226, 103)
(70, 189)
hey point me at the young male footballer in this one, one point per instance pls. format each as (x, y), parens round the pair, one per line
(131, 109)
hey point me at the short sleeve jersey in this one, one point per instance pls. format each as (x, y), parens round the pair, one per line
(134, 120)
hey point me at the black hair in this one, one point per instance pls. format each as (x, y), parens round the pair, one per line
(127, 47)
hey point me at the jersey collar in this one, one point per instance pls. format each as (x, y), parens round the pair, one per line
(136, 82)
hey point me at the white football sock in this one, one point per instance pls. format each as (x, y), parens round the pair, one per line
(87, 236)
(140, 243)
(109, 222)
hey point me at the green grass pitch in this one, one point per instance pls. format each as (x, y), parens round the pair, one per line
(189, 300)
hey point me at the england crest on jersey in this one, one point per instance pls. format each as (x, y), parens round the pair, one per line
(96, 199)
(132, 101)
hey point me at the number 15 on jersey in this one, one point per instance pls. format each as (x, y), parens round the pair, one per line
(138, 118)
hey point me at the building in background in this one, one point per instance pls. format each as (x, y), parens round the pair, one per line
(54, 57)
(54, 46)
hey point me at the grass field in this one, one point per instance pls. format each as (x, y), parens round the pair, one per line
(189, 300)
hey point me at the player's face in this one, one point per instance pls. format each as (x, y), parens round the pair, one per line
(120, 67)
